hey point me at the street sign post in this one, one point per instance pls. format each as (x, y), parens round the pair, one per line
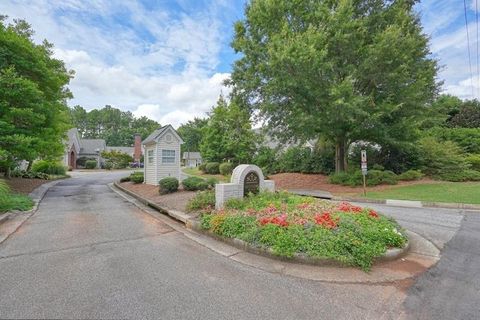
(364, 171)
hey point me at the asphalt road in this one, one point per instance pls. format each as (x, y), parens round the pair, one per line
(87, 253)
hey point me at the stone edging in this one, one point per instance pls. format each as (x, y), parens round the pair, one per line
(411, 203)
(194, 224)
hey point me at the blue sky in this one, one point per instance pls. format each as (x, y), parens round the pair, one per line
(167, 59)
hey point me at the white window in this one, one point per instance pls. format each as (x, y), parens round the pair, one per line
(168, 156)
(150, 156)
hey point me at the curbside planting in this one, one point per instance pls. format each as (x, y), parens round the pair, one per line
(193, 223)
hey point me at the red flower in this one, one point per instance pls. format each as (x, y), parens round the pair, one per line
(325, 220)
(347, 207)
(280, 220)
(373, 213)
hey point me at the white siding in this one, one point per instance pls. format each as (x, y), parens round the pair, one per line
(150, 168)
(170, 169)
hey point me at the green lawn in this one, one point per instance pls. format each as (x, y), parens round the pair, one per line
(459, 192)
(196, 172)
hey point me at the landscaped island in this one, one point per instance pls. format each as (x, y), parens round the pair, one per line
(290, 225)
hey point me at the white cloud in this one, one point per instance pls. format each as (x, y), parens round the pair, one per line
(154, 62)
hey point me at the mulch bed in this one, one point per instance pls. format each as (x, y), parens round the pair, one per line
(24, 186)
(320, 182)
(176, 201)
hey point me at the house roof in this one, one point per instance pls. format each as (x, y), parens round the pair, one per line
(127, 150)
(73, 139)
(192, 155)
(90, 146)
(155, 134)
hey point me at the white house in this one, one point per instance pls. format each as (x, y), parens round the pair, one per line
(162, 155)
(192, 159)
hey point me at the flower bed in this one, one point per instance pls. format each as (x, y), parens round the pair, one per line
(290, 224)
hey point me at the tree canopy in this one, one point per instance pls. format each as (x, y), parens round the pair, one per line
(33, 95)
(341, 70)
(117, 127)
(228, 135)
(191, 133)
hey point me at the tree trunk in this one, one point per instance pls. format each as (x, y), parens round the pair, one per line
(340, 156)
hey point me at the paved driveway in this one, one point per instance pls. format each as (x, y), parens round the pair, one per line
(87, 253)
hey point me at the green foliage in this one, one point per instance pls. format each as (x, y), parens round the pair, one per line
(363, 66)
(29, 174)
(108, 165)
(357, 238)
(228, 135)
(304, 160)
(49, 167)
(136, 177)
(411, 175)
(460, 176)
(378, 167)
(203, 200)
(211, 182)
(202, 167)
(442, 159)
(191, 133)
(212, 168)
(117, 127)
(194, 184)
(9, 201)
(467, 138)
(266, 159)
(33, 94)
(90, 164)
(474, 161)
(168, 185)
(374, 178)
(226, 168)
(467, 116)
(117, 159)
(125, 179)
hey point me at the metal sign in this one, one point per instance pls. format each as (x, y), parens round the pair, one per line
(364, 156)
(251, 183)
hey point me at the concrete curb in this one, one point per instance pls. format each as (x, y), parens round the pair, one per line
(177, 215)
(37, 196)
(411, 203)
(193, 223)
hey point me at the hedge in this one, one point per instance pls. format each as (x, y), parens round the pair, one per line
(168, 185)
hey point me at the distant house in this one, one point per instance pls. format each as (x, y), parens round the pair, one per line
(162, 155)
(272, 142)
(192, 159)
(78, 148)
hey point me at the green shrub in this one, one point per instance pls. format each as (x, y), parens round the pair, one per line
(203, 200)
(377, 166)
(465, 175)
(474, 161)
(442, 159)
(108, 165)
(466, 138)
(410, 175)
(212, 168)
(30, 174)
(90, 164)
(125, 179)
(226, 168)
(49, 167)
(266, 158)
(194, 184)
(295, 159)
(211, 182)
(202, 167)
(374, 177)
(137, 177)
(168, 185)
(117, 159)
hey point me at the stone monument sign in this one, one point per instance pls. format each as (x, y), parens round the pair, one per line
(246, 178)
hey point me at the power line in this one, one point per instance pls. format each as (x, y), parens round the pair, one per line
(468, 46)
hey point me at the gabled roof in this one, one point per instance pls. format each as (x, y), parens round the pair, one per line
(90, 146)
(73, 140)
(157, 133)
(192, 155)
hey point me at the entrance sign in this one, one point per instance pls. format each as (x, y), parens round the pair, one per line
(246, 178)
(364, 171)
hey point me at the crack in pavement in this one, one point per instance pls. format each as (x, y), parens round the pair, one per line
(91, 245)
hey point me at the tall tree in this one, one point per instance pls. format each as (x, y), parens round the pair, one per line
(33, 94)
(117, 127)
(228, 135)
(191, 133)
(344, 70)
